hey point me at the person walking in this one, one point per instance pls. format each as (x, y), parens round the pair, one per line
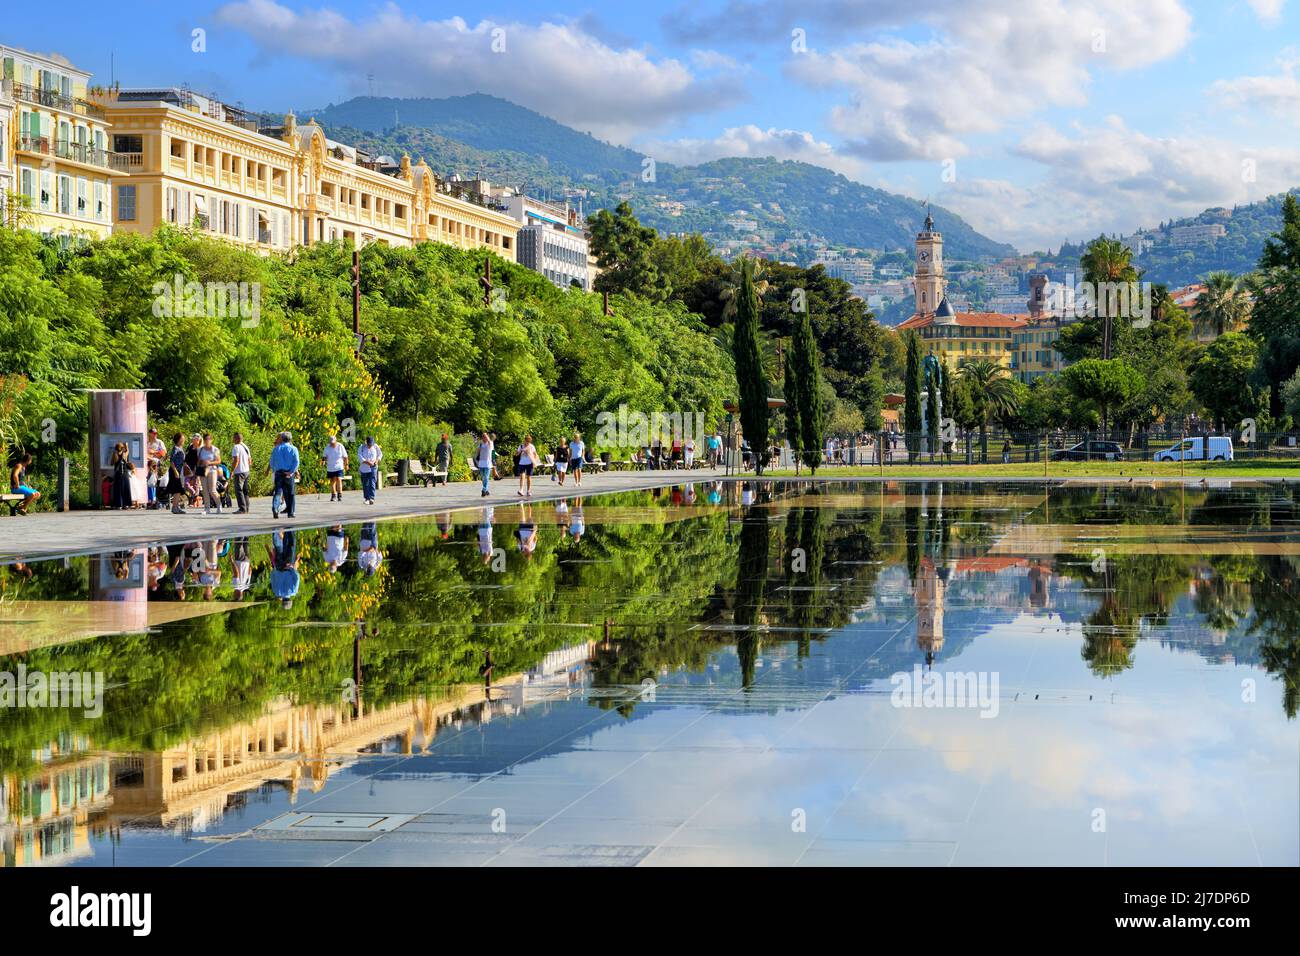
(528, 460)
(483, 453)
(176, 490)
(209, 472)
(335, 460)
(577, 452)
(285, 462)
(561, 461)
(689, 452)
(442, 457)
(1006, 452)
(241, 465)
(123, 468)
(18, 483)
(194, 471)
(369, 456)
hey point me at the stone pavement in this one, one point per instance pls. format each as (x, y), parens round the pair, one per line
(45, 534)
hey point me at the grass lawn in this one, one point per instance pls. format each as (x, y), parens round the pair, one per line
(1253, 468)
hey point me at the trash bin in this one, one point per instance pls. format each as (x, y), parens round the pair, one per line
(403, 471)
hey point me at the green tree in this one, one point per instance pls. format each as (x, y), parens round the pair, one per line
(992, 394)
(624, 250)
(751, 379)
(1107, 383)
(808, 397)
(912, 387)
(1223, 304)
(1275, 315)
(1221, 379)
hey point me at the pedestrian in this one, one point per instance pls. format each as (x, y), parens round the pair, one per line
(123, 469)
(194, 471)
(18, 483)
(1006, 452)
(483, 453)
(241, 465)
(156, 455)
(335, 460)
(496, 475)
(368, 458)
(442, 457)
(209, 472)
(285, 462)
(561, 461)
(528, 460)
(577, 452)
(690, 453)
(151, 483)
(276, 501)
(176, 468)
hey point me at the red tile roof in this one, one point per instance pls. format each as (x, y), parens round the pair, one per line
(970, 320)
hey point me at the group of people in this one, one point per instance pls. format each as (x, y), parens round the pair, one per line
(569, 457)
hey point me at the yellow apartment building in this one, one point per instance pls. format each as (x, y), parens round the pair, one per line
(961, 337)
(196, 162)
(58, 140)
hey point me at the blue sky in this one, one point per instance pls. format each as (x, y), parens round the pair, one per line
(1038, 120)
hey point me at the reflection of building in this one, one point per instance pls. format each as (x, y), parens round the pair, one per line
(45, 814)
(931, 585)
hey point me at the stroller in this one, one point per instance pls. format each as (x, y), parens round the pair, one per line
(223, 484)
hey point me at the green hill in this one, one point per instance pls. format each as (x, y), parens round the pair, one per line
(791, 203)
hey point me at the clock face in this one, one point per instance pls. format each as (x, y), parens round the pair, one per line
(924, 256)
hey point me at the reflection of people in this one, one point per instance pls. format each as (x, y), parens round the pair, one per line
(242, 579)
(285, 578)
(336, 548)
(370, 557)
(444, 524)
(485, 669)
(527, 531)
(576, 523)
(485, 535)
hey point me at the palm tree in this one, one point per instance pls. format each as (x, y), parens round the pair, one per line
(728, 295)
(993, 394)
(1106, 261)
(1223, 304)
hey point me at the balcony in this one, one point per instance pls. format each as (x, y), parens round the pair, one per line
(82, 153)
(54, 100)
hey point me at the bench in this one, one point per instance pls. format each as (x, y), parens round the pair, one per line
(415, 472)
(13, 501)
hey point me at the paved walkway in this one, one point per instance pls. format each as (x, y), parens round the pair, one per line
(45, 534)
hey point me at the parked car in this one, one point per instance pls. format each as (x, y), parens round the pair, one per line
(1193, 449)
(1091, 451)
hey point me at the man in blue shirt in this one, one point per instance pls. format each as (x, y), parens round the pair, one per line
(284, 463)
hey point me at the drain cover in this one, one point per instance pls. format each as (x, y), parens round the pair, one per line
(331, 826)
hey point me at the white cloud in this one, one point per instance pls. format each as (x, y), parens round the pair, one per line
(924, 99)
(1278, 93)
(557, 69)
(1115, 179)
(754, 141)
(1268, 11)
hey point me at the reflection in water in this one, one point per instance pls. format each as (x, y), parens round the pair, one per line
(244, 672)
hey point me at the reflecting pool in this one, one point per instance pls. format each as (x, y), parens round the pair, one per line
(910, 673)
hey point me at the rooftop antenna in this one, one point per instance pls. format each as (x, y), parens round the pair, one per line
(370, 81)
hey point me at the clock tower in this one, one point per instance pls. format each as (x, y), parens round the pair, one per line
(928, 278)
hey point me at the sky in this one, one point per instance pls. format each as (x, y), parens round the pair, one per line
(1036, 120)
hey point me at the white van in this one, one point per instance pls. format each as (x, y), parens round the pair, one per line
(1193, 449)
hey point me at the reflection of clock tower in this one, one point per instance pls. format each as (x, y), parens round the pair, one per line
(928, 279)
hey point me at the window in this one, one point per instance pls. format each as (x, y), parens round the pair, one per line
(99, 201)
(47, 185)
(82, 209)
(127, 144)
(27, 184)
(126, 203)
(173, 201)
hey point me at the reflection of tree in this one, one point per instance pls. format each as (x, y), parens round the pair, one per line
(805, 530)
(751, 583)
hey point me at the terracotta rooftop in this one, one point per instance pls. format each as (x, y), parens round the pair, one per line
(970, 319)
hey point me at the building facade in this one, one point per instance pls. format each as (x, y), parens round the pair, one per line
(196, 163)
(552, 240)
(63, 168)
(6, 149)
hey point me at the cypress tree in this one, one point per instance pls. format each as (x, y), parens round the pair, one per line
(912, 394)
(932, 415)
(751, 381)
(809, 393)
(793, 429)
